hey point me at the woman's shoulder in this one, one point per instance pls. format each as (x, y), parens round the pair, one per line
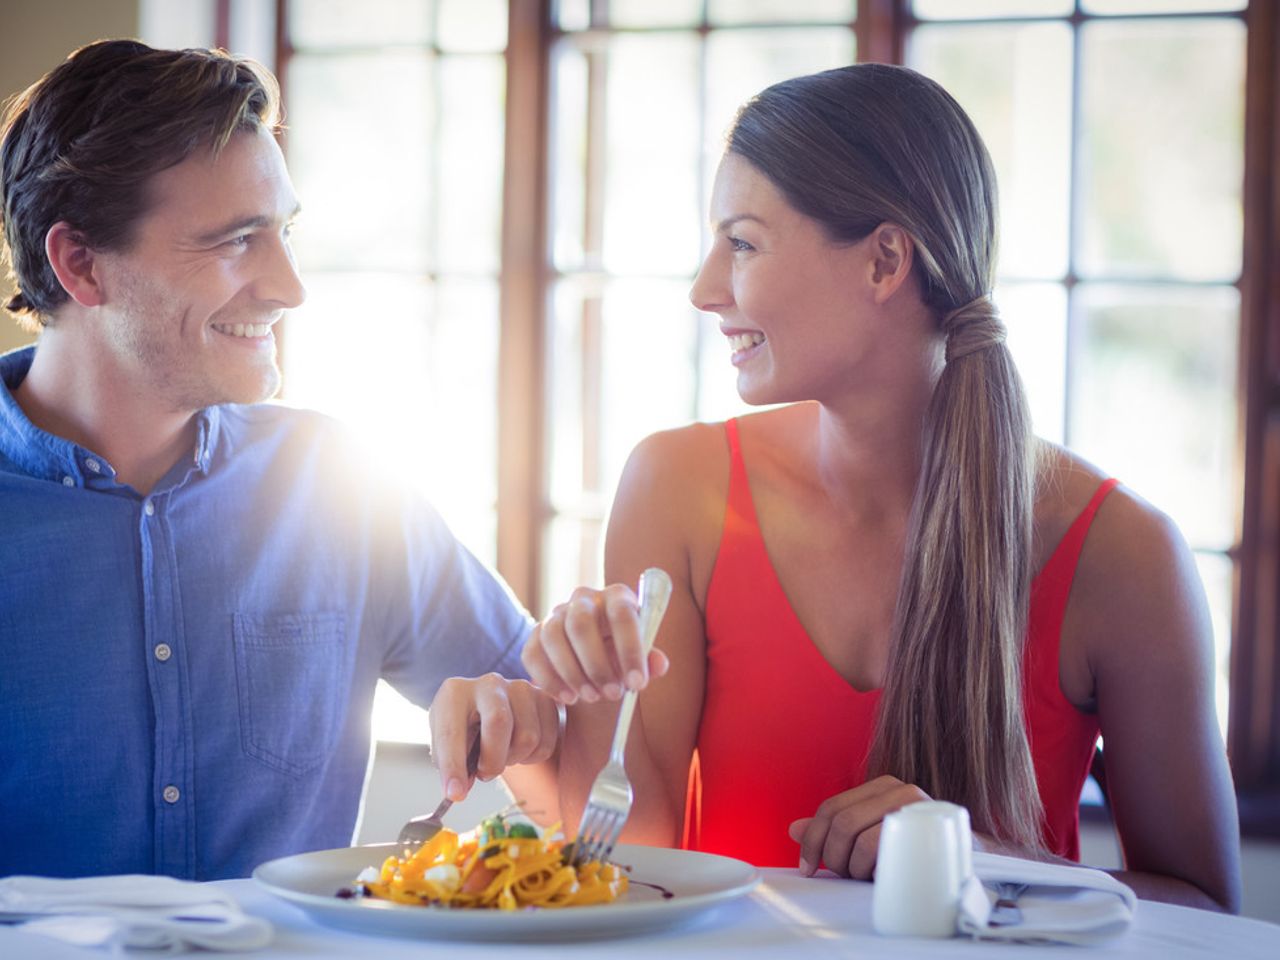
(1136, 587)
(701, 452)
(1126, 528)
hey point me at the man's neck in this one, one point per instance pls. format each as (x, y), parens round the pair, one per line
(102, 410)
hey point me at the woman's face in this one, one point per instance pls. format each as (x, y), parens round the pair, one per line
(792, 305)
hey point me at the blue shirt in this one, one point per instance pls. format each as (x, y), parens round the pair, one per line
(186, 678)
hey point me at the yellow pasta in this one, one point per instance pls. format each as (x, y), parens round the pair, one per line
(492, 870)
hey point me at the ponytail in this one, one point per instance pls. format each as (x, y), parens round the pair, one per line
(951, 716)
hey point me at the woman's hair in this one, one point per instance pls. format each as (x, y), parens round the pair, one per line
(853, 148)
(81, 144)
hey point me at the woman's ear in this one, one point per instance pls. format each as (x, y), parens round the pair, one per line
(892, 255)
(73, 264)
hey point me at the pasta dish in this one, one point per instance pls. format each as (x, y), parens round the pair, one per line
(499, 866)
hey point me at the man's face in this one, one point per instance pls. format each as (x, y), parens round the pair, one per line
(189, 308)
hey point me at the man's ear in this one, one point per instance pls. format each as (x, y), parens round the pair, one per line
(73, 264)
(892, 254)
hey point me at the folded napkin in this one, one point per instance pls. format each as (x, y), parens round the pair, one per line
(155, 913)
(1061, 904)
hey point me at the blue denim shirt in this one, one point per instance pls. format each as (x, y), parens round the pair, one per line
(186, 678)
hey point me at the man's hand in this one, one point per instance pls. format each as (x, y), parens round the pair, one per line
(516, 723)
(590, 648)
(844, 833)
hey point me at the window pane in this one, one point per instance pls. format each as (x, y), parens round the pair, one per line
(342, 141)
(397, 358)
(569, 157)
(642, 357)
(1161, 6)
(1014, 81)
(470, 143)
(1036, 317)
(648, 369)
(1216, 575)
(1153, 398)
(781, 11)
(477, 25)
(651, 199)
(574, 15)
(340, 23)
(1161, 151)
(975, 9)
(328, 363)
(573, 556)
(564, 382)
(655, 13)
(459, 427)
(741, 63)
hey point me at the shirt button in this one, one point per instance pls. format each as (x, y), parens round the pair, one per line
(149, 508)
(171, 794)
(163, 652)
(68, 481)
(93, 466)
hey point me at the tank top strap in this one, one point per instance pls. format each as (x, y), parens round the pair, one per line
(1052, 585)
(740, 509)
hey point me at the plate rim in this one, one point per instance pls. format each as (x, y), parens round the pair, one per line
(494, 922)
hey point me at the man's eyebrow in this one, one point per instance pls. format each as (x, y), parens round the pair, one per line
(728, 222)
(241, 223)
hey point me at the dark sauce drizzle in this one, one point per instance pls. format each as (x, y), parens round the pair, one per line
(666, 894)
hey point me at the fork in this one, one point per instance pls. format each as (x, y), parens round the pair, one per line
(1006, 912)
(421, 829)
(609, 801)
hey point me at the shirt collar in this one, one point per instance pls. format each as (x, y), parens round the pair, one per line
(49, 457)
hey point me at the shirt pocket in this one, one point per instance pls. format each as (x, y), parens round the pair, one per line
(292, 688)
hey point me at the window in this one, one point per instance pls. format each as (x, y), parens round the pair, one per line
(632, 159)
(395, 142)
(395, 116)
(1135, 141)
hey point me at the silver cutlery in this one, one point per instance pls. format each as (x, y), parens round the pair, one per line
(421, 829)
(609, 802)
(1006, 912)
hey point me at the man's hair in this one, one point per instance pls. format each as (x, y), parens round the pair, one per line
(81, 144)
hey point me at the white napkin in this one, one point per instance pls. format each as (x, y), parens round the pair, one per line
(1063, 904)
(155, 913)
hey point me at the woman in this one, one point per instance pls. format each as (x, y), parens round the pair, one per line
(886, 589)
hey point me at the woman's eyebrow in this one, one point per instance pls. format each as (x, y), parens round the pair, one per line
(728, 222)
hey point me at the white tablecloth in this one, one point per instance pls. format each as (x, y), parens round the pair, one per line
(786, 916)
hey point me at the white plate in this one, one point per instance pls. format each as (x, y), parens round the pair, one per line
(698, 882)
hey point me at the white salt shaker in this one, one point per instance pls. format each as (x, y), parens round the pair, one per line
(925, 857)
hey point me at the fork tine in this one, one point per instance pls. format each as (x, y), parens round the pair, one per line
(591, 850)
(586, 834)
(595, 847)
(614, 834)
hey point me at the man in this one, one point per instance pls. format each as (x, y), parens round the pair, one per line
(198, 593)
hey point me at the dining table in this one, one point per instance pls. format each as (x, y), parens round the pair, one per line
(786, 915)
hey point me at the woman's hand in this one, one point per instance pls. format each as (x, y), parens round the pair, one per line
(844, 833)
(590, 648)
(517, 723)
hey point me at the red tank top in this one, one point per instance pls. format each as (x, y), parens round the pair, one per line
(781, 731)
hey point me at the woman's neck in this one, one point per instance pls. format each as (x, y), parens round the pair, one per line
(870, 442)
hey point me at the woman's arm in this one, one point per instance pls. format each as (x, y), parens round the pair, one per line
(667, 513)
(1139, 615)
